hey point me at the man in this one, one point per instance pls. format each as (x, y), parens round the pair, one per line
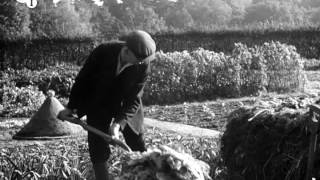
(108, 91)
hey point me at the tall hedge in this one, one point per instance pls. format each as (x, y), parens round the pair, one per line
(38, 53)
(307, 41)
(41, 53)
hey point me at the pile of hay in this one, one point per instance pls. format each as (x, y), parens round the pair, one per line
(163, 163)
(269, 141)
(44, 124)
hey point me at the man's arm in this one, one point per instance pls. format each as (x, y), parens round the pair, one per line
(132, 93)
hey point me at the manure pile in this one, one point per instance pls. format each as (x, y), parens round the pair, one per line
(162, 163)
(269, 140)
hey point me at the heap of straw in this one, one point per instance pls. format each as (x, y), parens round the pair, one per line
(269, 140)
(163, 163)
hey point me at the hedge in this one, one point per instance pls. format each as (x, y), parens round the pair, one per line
(39, 53)
(307, 41)
(42, 53)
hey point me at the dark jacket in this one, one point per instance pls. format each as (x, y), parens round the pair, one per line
(98, 92)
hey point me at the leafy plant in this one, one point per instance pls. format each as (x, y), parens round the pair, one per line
(22, 101)
(69, 158)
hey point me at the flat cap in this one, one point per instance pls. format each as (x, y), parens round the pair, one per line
(141, 44)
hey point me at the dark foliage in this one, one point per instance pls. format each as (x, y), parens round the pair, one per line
(274, 145)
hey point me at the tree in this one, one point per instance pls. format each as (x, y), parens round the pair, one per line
(135, 14)
(161, 6)
(103, 22)
(284, 12)
(209, 12)
(261, 11)
(178, 18)
(315, 15)
(293, 13)
(311, 3)
(61, 21)
(239, 5)
(99, 18)
(14, 20)
(238, 10)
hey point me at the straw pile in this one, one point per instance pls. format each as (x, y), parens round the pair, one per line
(163, 163)
(269, 141)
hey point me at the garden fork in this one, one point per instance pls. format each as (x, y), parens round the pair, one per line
(105, 136)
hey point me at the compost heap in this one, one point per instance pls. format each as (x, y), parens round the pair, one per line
(269, 140)
(163, 163)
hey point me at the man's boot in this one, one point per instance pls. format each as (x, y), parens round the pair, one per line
(101, 171)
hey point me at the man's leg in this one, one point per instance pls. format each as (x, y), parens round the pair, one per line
(100, 171)
(99, 154)
(134, 141)
(99, 149)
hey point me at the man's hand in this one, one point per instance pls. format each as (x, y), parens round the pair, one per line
(115, 130)
(67, 115)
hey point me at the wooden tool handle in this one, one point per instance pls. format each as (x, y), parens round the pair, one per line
(105, 136)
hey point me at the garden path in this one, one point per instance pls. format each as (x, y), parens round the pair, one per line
(182, 129)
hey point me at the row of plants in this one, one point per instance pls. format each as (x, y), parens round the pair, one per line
(69, 158)
(181, 76)
(202, 74)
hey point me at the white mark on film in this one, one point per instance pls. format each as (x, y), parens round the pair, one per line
(29, 3)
